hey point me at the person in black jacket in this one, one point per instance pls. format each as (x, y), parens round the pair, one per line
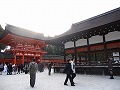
(49, 68)
(33, 67)
(10, 69)
(110, 69)
(68, 71)
(1, 68)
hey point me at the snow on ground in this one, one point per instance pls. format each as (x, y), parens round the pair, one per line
(55, 82)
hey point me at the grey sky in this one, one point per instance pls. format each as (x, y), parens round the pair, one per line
(51, 17)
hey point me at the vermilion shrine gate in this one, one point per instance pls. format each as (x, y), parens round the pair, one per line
(24, 46)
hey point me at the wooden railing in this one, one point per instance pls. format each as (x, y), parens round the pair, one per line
(92, 63)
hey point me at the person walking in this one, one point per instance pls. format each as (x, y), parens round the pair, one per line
(32, 70)
(21, 68)
(110, 69)
(5, 69)
(18, 69)
(26, 68)
(14, 69)
(73, 68)
(10, 69)
(49, 68)
(68, 72)
(1, 68)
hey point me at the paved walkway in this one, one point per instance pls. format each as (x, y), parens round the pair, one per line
(56, 80)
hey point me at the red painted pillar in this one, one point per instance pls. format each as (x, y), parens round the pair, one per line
(23, 58)
(14, 58)
(34, 55)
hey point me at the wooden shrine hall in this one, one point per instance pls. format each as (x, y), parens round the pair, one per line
(96, 35)
(93, 41)
(24, 44)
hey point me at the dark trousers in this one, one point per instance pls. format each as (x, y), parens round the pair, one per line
(73, 75)
(49, 71)
(111, 74)
(32, 79)
(70, 78)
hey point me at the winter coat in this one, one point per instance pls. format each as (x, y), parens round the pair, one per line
(14, 68)
(1, 67)
(33, 68)
(110, 66)
(5, 68)
(49, 66)
(10, 67)
(68, 69)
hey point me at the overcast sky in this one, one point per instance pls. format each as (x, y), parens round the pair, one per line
(51, 17)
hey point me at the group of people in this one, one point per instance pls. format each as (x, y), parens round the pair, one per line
(14, 69)
(10, 68)
(70, 72)
(33, 67)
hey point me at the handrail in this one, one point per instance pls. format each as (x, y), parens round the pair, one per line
(102, 63)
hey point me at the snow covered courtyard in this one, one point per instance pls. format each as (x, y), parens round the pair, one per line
(55, 82)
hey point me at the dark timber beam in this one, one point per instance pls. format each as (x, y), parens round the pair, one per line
(64, 53)
(88, 46)
(75, 51)
(105, 48)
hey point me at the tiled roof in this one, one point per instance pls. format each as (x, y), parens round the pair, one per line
(74, 33)
(89, 27)
(24, 32)
(99, 20)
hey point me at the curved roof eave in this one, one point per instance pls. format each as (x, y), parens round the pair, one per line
(24, 33)
(96, 21)
(80, 27)
(86, 25)
(3, 33)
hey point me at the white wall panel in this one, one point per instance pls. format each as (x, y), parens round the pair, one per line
(112, 36)
(81, 42)
(69, 44)
(95, 39)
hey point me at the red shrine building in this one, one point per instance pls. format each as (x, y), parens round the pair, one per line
(24, 45)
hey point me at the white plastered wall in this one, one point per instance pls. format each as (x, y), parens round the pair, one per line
(81, 42)
(69, 44)
(112, 36)
(95, 39)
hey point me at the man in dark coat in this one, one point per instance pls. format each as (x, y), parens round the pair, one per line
(1, 68)
(49, 68)
(10, 69)
(68, 72)
(73, 68)
(33, 67)
(110, 69)
(18, 69)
